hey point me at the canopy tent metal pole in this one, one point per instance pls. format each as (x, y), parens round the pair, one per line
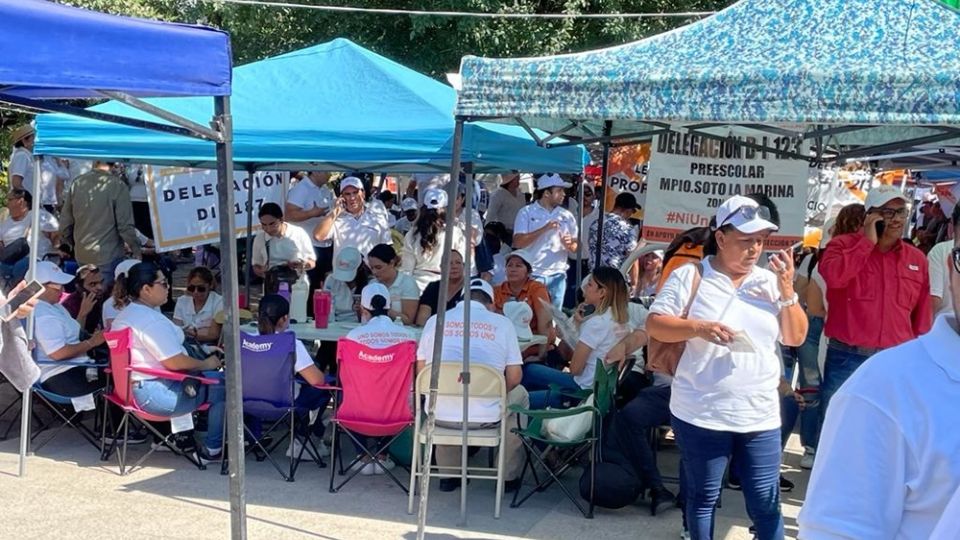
(465, 370)
(234, 378)
(248, 268)
(27, 396)
(438, 331)
(579, 268)
(602, 195)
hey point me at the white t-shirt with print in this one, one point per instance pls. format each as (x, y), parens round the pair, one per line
(11, 230)
(600, 333)
(154, 338)
(379, 333)
(939, 268)
(306, 195)
(715, 388)
(55, 329)
(186, 312)
(21, 164)
(294, 244)
(547, 251)
(404, 287)
(493, 342)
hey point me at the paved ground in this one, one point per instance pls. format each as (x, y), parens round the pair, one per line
(171, 499)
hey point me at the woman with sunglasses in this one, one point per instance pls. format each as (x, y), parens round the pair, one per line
(195, 310)
(157, 343)
(724, 400)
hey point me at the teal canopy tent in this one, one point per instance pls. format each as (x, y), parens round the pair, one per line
(334, 106)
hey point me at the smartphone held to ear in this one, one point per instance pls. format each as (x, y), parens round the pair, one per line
(28, 293)
(587, 310)
(880, 225)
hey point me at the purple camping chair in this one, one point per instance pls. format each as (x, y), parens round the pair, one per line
(269, 390)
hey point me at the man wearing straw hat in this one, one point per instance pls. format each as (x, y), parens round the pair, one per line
(21, 161)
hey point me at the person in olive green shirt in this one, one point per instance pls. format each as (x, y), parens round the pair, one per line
(97, 220)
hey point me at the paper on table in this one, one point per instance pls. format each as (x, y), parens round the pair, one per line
(741, 343)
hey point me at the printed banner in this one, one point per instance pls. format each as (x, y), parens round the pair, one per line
(185, 210)
(691, 175)
(626, 172)
(833, 189)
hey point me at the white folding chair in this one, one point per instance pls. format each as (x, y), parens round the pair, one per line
(485, 382)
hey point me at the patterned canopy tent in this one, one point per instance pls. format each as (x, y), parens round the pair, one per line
(804, 66)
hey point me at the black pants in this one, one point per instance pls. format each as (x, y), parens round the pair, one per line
(74, 383)
(324, 266)
(141, 218)
(648, 410)
(572, 295)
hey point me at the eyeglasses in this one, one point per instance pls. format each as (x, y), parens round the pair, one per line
(955, 255)
(890, 213)
(163, 283)
(197, 288)
(749, 213)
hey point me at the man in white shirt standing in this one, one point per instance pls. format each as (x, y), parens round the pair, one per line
(549, 233)
(21, 160)
(493, 342)
(351, 223)
(888, 462)
(307, 202)
(506, 202)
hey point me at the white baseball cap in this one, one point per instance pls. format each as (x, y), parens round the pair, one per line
(124, 267)
(346, 262)
(883, 194)
(408, 204)
(551, 180)
(745, 215)
(435, 199)
(351, 181)
(47, 272)
(372, 290)
(522, 254)
(481, 285)
(520, 315)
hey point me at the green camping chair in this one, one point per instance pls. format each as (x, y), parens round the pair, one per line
(536, 445)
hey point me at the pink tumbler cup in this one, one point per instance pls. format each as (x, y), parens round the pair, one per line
(322, 302)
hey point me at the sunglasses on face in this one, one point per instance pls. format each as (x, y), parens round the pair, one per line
(955, 256)
(197, 288)
(749, 213)
(890, 213)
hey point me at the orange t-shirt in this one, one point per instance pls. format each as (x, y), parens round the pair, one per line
(531, 293)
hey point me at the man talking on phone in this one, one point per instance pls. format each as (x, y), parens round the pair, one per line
(878, 289)
(351, 223)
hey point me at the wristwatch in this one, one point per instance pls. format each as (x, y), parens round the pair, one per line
(784, 304)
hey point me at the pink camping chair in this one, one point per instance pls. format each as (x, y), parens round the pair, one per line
(374, 400)
(120, 394)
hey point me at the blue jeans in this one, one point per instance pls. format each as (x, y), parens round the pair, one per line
(537, 379)
(705, 454)
(837, 368)
(14, 273)
(164, 397)
(809, 381)
(556, 287)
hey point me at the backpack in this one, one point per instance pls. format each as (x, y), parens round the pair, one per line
(617, 483)
(687, 247)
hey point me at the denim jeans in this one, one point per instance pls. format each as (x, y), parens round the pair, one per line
(537, 379)
(164, 397)
(706, 453)
(556, 287)
(14, 273)
(809, 381)
(837, 368)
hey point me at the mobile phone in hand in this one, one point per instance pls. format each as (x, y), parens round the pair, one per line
(880, 225)
(587, 310)
(31, 291)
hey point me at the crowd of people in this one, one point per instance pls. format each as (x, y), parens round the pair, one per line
(850, 318)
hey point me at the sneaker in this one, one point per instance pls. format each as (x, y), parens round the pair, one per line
(786, 486)
(733, 483)
(386, 464)
(366, 468)
(684, 534)
(136, 437)
(809, 454)
(206, 456)
(293, 450)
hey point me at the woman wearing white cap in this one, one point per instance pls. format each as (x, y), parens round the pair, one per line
(348, 278)
(119, 298)
(58, 339)
(724, 398)
(423, 245)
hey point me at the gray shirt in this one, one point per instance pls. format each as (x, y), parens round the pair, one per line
(97, 218)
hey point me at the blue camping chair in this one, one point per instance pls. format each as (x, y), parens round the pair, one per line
(61, 405)
(269, 390)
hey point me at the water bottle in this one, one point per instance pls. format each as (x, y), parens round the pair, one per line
(298, 301)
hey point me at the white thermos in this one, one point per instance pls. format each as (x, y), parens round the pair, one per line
(299, 296)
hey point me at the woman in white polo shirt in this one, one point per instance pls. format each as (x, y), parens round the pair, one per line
(404, 295)
(157, 343)
(423, 245)
(724, 398)
(195, 311)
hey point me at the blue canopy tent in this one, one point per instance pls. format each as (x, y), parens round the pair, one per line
(49, 51)
(333, 106)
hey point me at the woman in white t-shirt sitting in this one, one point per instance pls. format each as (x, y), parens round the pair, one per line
(606, 291)
(405, 296)
(378, 331)
(195, 311)
(58, 339)
(273, 317)
(724, 400)
(157, 343)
